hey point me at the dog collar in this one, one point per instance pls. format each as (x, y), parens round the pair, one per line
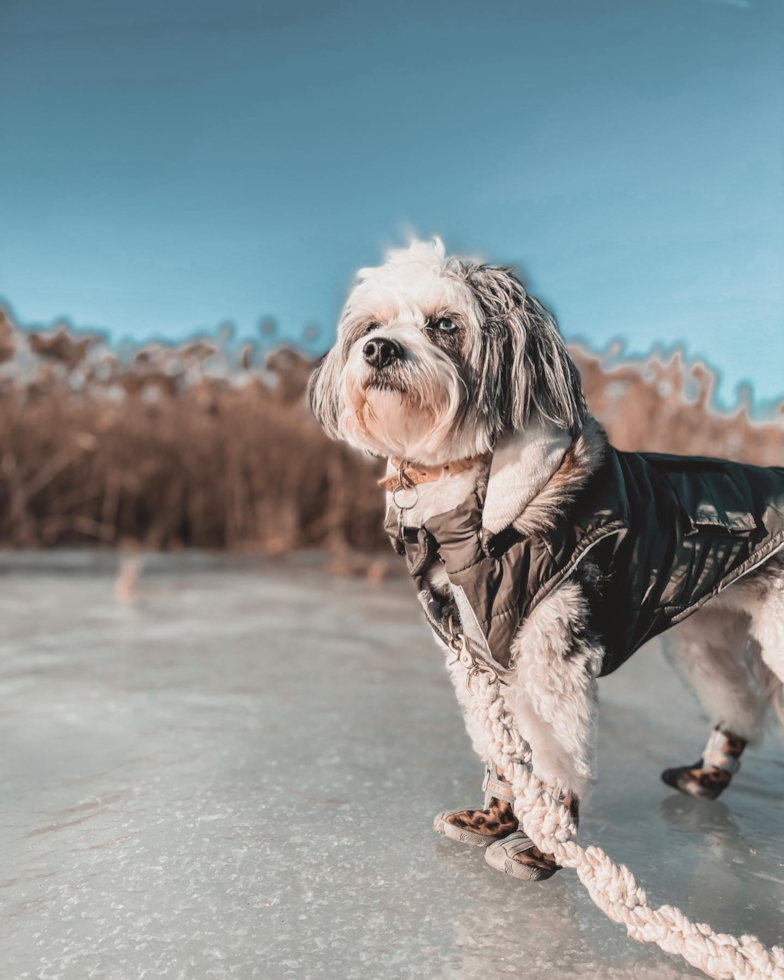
(408, 474)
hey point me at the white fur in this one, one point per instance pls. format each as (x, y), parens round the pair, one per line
(755, 642)
(523, 462)
(714, 651)
(476, 731)
(395, 423)
(552, 691)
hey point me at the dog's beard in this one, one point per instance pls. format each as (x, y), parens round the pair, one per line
(390, 422)
(415, 409)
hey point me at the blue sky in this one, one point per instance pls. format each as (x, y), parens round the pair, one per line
(169, 166)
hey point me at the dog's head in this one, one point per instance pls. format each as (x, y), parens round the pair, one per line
(436, 357)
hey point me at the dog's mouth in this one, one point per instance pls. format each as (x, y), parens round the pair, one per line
(382, 381)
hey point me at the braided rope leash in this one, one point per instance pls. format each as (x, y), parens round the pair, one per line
(612, 887)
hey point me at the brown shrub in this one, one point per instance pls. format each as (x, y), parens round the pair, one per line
(193, 446)
(667, 405)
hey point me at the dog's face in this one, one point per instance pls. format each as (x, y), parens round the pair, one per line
(436, 357)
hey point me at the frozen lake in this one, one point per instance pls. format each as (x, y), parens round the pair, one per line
(235, 777)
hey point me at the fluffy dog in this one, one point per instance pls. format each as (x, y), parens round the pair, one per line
(540, 553)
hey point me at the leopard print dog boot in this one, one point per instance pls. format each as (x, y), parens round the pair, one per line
(481, 827)
(518, 856)
(709, 777)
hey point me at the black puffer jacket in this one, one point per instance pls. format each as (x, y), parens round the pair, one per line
(667, 533)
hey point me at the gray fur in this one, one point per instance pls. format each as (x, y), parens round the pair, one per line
(324, 391)
(524, 368)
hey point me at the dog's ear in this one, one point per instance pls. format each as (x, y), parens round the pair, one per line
(523, 367)
(324, 392)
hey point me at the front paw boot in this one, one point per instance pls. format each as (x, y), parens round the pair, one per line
(518, 857)
(481, 828)
(709, 777)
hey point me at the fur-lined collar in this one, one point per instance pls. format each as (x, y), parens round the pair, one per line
(531, 480)
(536, 474)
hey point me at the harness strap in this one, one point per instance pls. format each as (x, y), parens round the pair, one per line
(496, 787)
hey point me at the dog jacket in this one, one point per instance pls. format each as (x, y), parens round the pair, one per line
(666, 533)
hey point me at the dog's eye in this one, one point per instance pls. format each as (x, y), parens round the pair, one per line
(371, 327)
(444, 325)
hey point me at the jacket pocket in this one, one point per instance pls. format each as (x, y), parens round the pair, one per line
(706, 519)
(713, 499)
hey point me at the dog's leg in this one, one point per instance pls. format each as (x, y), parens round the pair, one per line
(712, 650)
(765, 595)
(481, 826)
(553, 697)
(495, 819)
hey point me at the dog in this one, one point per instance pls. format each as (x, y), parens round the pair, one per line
(540, 553)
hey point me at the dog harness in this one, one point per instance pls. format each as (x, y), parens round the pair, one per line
(666, 533)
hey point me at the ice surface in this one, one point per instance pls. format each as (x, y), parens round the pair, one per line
(236, 777)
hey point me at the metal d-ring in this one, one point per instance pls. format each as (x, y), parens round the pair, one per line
(401, 489)
(402, 508)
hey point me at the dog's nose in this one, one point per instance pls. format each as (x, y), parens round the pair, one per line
(380, 351)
